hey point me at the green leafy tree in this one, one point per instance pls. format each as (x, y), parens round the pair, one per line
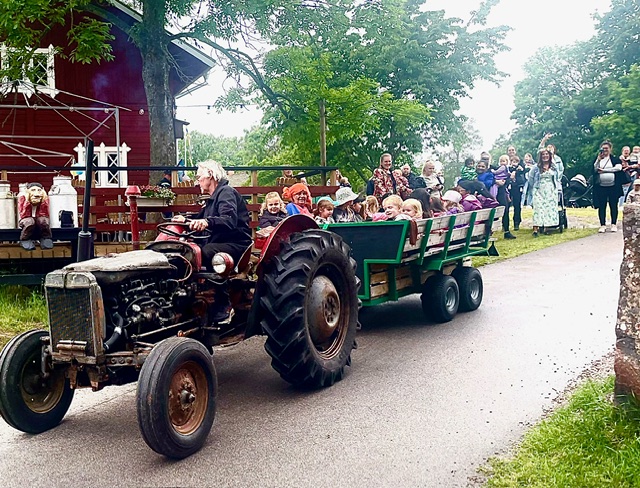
(582, 93)
(197, 147)
(389, 74)
(621, 123)
(618, 30)
(462, 146)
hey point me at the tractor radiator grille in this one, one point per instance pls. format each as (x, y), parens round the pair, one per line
(70, 316)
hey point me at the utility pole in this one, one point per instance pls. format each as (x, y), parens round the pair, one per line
(323, 139)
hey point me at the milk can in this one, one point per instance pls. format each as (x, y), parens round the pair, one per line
(62, 196)
(7, 206)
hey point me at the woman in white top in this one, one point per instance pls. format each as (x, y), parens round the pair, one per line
(434, 182)
(607, 185)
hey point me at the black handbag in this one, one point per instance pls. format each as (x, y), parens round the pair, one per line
(625, 179)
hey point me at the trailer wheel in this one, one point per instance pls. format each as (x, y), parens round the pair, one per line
(310, 309)
(176, 397)
(471, 289)
(440, 298)
(29, 401)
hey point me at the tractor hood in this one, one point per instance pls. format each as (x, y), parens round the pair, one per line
(114, 268)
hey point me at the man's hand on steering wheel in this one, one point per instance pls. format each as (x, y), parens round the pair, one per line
(180, 221)
(197, 225)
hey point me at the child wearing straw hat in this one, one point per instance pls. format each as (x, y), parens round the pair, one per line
(344, 211)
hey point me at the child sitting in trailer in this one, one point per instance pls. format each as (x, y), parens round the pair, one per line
(469, 201)
(344, 211)
(272, 212)
(424, 197)
(371, 207)
(393, 208)
(437, 207)
(412, 208)
(324, 211)
(451, 202)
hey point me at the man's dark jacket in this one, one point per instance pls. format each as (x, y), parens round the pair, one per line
(227, 215)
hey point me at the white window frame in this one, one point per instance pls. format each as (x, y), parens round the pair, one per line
(27, 86)
(101, 154)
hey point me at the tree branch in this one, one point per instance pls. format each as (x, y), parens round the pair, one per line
(245, 64)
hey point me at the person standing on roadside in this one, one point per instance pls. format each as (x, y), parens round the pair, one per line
(625, 159)
(557, 160)
(607, 185)
(484, 175)
(543, 186)
(517, 176)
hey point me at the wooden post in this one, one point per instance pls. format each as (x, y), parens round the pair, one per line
(132, 193)
(333, 181)
(627, 358)
(323, 140)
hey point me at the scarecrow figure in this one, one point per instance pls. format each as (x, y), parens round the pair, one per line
(33, 211)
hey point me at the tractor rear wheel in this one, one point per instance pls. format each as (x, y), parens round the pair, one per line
(310, 309)
(176, 397)
(31, 401)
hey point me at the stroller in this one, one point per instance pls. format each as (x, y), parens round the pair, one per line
(563, 223)
(579, 193)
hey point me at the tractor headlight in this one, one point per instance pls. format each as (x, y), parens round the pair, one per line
(222, 263)
(79, 280)
(55, 279)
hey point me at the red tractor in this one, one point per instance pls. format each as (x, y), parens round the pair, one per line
(144, 316)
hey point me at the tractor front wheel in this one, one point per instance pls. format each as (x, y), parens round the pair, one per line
(176, 397)
(30, 400)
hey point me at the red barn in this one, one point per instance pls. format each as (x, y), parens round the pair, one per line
(48, 125)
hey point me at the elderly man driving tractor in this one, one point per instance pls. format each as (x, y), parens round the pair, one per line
(225, 217)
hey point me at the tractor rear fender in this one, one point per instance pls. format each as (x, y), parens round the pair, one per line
(290, 225)
(282, 233)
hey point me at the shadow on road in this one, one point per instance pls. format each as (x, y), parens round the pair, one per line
(406, 314)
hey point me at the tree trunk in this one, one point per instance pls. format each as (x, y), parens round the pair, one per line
(627, 356)
(156, 65)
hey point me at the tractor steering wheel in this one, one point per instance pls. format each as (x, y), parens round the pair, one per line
(192, 234)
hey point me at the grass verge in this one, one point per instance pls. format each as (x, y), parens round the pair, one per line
(583, 222)
(21, 309)
(589, 443)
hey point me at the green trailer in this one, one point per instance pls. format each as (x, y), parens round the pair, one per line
(427, 256)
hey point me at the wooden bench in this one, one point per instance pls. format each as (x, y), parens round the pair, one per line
(65, 249)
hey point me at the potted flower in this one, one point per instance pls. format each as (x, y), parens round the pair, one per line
(156, 196)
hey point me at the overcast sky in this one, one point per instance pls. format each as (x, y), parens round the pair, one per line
(534, 23)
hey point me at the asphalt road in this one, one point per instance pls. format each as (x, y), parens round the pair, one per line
(422, 405)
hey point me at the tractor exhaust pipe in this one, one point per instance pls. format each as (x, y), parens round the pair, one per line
(85, 238)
